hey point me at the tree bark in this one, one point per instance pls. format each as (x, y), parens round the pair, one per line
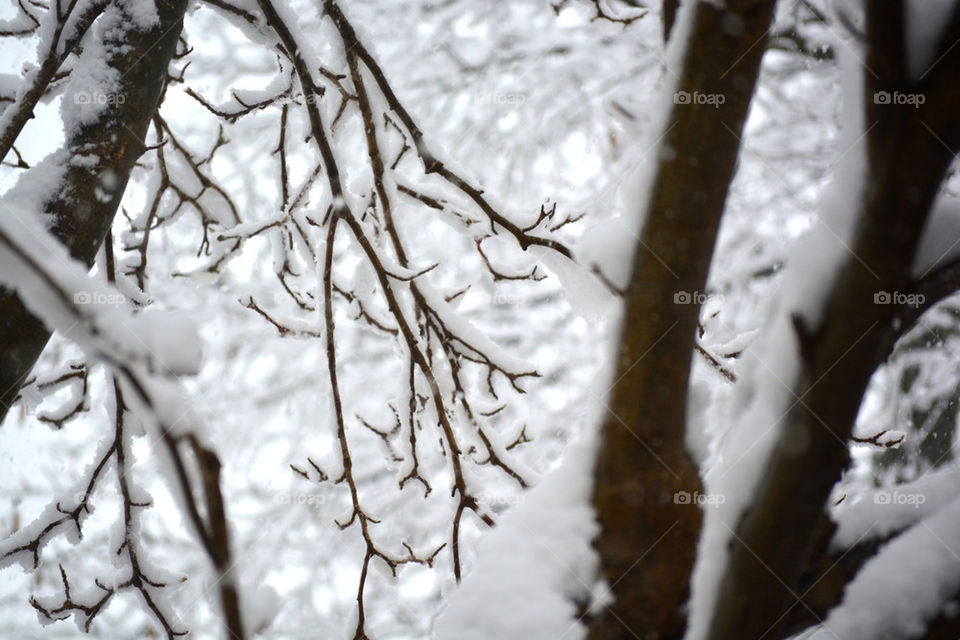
(86, 202)
(909, 149)
(649, 535)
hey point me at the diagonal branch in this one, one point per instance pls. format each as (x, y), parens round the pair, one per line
(17, 114)
(88, 195)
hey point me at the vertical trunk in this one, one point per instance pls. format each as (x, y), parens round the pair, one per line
(648, 540)
(787, 526)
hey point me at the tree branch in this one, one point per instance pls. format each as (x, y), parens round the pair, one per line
(83, 206)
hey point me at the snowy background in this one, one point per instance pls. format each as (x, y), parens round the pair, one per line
(537, 106)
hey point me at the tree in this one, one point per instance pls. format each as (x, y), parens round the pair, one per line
(785, 571)
(380, 398)
(447, 432)
(643, 467)
(851, 332)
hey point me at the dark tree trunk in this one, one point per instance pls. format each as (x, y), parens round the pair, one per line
(649, 538)
(786, 530)
(84, 206)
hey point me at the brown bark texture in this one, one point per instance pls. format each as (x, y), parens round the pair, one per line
(646, 481)
(87, 200)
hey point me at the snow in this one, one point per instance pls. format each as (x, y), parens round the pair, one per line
(93, 313)
(172, 337)
(52, 512)
(904, 586)
(699, 406)
(82, 8)
(265, 395)
(924, 24)
(533, 567)
(277, 85)
(93, 83)
(940, 240)
(252, 385)
(587, 296)
(40, 184)
(142, 13)
(610, 244)
(154, 345)
(464, 331)
(9, 84)
(260, 607)
(19, 22)
(771, 365)
(71, 397)
(891, 509)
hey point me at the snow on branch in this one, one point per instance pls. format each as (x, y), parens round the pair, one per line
(390, 292)
(143, 352)
(62, 31)
(906, 585)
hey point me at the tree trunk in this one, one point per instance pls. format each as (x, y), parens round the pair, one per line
(787, 526)
(646, 481)
(84, 205)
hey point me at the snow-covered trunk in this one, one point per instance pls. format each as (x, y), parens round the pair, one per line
(777, 554)
(113, 94)
(647, 485)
